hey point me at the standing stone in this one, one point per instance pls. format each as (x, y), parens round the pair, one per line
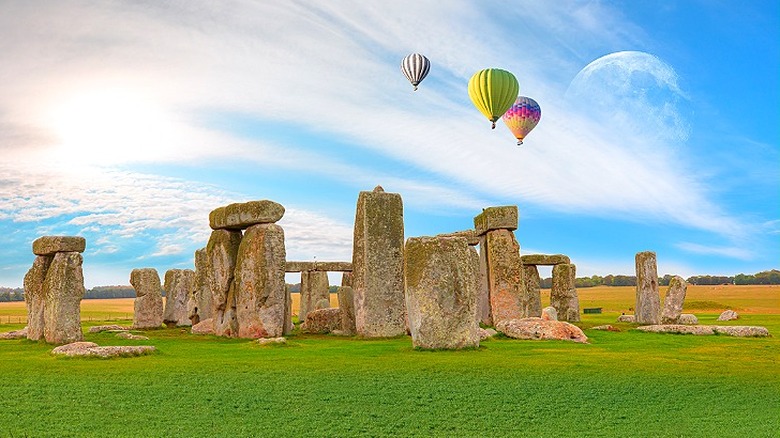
(483, 293)
(673, 302)
(221, 252)
(148, 305)
(289, 326)
(648, 300)
(178, 286)
(314, 288)
(505, 275)
(563, 294)
(532, 291)
(261, 293)
(347, 304)
(63, 290)
(35, 298)
(202, 295)
(378, 265)
(441, 293)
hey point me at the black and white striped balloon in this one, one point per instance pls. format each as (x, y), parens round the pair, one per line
(415, 67)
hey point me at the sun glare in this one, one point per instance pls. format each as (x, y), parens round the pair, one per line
(110, 127)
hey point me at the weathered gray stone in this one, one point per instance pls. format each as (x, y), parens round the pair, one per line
(222, 251)
(441, 293)
(201, 301)
(549, 314)
(289, 326)
(674, 300)
(627, 318)
(14, 334)
(314, 287)
(496, 218)
(741, 330)
(131, 336)
(108, 328)
(648, 301)
(63, 290)
(205, 327)
(606, 327)
(545, 259)
(471, 236)
(505, 275)
(35, 298)
(486, 333)
(261, 295)
(322, 321)
(92, 349)
(240, 216)
(272, 341)
(179, 284)
(483, 293)
(148, 306)
(378, 263)
(728, 315)
(532, 292)
(540, 329)
(49, 245)
(347, 304)
(563, 294)
(736, 330)
(318, 266)
(688, 319)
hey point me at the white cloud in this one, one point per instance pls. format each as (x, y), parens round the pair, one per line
(733, 252)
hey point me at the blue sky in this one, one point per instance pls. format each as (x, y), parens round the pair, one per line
(128, 122)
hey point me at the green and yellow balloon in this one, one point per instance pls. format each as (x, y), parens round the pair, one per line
(493, 91)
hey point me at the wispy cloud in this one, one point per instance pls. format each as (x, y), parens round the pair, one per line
(725, 251)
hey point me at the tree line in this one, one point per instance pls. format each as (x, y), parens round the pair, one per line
(763, 277)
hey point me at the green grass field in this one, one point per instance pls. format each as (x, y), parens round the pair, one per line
(621, 384)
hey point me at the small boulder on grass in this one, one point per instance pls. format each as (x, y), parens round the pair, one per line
(272, 341)
(486, 333)
(627, 318)
(606, 327)
(728, 315)
(132, 337)
(107, 328)
(540, 329)
(205, 327)
(688, 319)
(15, 334)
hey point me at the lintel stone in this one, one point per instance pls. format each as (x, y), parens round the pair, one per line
(50, 245)
(496, 218)
(318, 266)
(471, 236)
(545, 259)
(240, 216)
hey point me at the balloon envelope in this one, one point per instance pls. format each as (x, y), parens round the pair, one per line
(415, 67)
(493, 91)
(522, 117)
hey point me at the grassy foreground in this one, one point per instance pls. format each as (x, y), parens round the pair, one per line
(621, 384)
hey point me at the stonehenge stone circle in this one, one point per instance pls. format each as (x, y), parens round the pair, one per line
(63, 290)
(441, 293)
(674, 300)
(314, 287)
(563, 294)
(34, 297)
(178, 286)
(377, 265)
(240, 216)
(148, 305)
(260, 289)
(50, 245)
(221, 252)
(648, 300)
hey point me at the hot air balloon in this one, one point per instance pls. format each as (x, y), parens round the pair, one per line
(522, 117)
(415, 67)
(492, 91)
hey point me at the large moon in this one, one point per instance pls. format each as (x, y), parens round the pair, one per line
(633, 92)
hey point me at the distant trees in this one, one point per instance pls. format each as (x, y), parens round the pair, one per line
(764, 277)
(110, 292)
(9, 294)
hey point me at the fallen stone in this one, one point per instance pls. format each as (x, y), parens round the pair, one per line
(272, 341)
(627, 318)
(148, 305)
(648, 301)
(545, 259)
(91, 349)
(741, 330)
(179, 284)
(35, 298)
(240, 216)
(736, 330)
(222, 251)
(674, 300)
(378, 265)
(261, 295)
(688, 319)
(486, 333)
(606, 327)
(205, 327)
(549, 314)
(105, 328)
(539, 329)
(131, 336)
(441, 293)
(15, 334)
(496, 218)
(63, 290)
(728, 315)
(563, 294)
(50, 245)
(322, 321)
